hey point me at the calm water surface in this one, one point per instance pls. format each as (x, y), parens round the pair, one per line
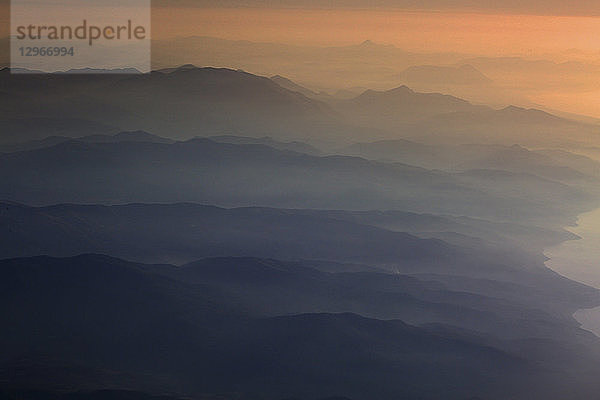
(580, 260)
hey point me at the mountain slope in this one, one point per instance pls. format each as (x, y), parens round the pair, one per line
(113, 315)
(397, 107)
(181, 233)
(299, 147)
(293, 86)
(194, 101)
(271, 287)
(510, 125)
(130, 136)
(185, 232)
(228, 175)
(563, 167)
(217, 101)
(32, 128)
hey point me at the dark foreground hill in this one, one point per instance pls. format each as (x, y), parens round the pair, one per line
(180, 233)
(21, 394)
(93, 322)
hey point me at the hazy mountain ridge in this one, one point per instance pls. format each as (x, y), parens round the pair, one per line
(207, 344)
(442, 118)
(395, 107)
(27, 128)
(510, 125)
(231, 175)
(521, 80)
(561, 166)
(216, 101)
(183, 232)
(295, 264)
(334, 67)
(206, 97)
(196, 241)
(299, 147)
(15, 393)
(130, 136)
(86, 272)
(293, 86)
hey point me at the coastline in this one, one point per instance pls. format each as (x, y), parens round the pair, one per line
(579, 260)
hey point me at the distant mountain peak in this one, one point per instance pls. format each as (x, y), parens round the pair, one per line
(289, 84)
(371, 45)
(515, 110)
(186, 67)
(181, 68)
(401, 89)
(512, 108)
(89, 70)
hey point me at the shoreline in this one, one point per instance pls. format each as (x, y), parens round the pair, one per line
(589, 319)
(579, 260)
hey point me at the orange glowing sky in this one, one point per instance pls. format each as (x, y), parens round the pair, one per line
(420, 31)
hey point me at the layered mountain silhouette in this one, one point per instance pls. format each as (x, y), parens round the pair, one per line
(528, 127)
(213, 234)
(293, 86)
(225, 174)
(441, 119)
(193, 101)
(184, 329)
(338, 241)
(297, 146)
(517, 79)
(217, 101)
(558, 165)
(401, 105)
(24, 129)
(132, 136)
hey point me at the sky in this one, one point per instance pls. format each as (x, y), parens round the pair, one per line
(423, 31)
(476, 26)
(535, 7)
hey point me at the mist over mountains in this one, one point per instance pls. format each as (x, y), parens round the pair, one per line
(434, 74)
(208, 233)
(553, 79)
(209, 102)
(225, 174)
